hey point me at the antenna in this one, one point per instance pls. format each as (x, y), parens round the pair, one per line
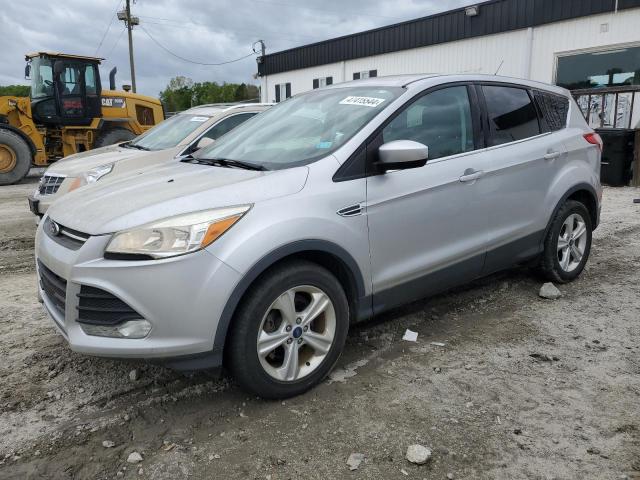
(499, 67)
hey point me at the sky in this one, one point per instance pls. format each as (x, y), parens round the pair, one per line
(206, 31)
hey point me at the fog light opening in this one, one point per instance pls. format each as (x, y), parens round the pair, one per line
(135, 329)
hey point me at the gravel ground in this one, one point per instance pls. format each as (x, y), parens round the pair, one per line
(522, 388)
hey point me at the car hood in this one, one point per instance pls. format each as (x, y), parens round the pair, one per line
(172, 189)
(79, 163)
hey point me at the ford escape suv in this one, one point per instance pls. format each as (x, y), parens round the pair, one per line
(180, 135)
(259, 250)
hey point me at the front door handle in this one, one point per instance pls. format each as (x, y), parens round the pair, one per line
(552, 155)
(471, 175)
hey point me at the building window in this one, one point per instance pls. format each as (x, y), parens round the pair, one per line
(283, 91)
(365, 74)
(599, 69)
(322, 82)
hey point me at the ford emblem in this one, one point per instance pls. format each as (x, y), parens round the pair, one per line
(54, 229)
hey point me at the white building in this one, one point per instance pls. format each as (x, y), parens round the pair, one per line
(574, 43)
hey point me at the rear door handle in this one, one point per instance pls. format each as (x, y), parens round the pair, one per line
(471, 175)
(552, 155)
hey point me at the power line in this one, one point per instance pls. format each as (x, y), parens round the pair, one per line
(124, 29)
(113, 16)
(235, 31)
(192, 61)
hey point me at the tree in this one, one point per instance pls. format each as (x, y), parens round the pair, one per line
(178, 94)
(182, 93)
(15, 90)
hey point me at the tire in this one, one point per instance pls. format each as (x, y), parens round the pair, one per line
(264, 311)
(15, 157)
(555, 265)
(113, 135)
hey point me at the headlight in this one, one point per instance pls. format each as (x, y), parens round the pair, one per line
(97, 173)
(177, 235)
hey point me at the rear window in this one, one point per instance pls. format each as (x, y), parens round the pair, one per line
(554, 110)
(512, 114)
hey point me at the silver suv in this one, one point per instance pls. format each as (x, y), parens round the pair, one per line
(330, 207)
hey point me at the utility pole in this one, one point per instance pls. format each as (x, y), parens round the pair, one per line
(125, 15)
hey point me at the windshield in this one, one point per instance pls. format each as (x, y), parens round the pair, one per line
(41, 77)
(169, 133)
(302, 129)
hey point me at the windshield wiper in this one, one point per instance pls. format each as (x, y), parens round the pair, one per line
(133, 145)
(225, 162)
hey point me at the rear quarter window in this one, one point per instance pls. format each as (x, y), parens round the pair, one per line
(553, 110)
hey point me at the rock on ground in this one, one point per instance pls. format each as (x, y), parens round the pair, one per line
(354, 460)
(549, 291)
(418, 454)
(134, 457)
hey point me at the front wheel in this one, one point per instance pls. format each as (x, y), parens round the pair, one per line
(568, 243)
(15, 157)
(289, 331)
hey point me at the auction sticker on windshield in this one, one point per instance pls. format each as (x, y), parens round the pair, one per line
(362, 101)
(199, 119)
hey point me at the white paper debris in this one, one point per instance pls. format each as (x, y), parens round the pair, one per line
(410, 336)
(437, 344)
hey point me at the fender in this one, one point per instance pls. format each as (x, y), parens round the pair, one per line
(24, 136)
(363, 307)
(580, 186)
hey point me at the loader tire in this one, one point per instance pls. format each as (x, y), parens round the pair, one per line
(15, 157)
(113, 135)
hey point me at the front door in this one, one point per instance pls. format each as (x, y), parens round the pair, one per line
(72, 93)
(428, 225)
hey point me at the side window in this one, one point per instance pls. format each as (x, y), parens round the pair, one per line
(227, 125)
(554, 109)
(441, 120)
(512, 115)
(90, 80)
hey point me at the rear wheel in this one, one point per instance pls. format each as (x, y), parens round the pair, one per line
(15, 157)
(568, 243)
(113, 135)
(289, 331)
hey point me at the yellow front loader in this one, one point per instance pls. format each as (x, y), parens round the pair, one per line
(67, 112)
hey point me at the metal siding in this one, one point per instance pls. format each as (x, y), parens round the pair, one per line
(495, 16)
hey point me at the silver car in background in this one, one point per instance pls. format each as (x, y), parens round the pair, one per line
(180, 135)
(260, 250)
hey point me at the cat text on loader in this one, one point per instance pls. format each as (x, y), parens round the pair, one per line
(67, 112)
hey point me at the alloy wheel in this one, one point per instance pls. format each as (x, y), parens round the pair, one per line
(296, 333)
(572, 242)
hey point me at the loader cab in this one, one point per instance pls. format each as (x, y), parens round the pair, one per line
(65, 89)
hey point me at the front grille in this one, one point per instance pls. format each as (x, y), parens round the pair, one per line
(50, 184)
(97, 307)
(53, 286)
(66, 237)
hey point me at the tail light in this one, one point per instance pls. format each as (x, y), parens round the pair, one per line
(594, 139)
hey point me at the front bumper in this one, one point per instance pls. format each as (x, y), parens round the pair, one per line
(182, 297)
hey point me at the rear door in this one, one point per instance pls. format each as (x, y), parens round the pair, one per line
(524, 156)
(428, 225)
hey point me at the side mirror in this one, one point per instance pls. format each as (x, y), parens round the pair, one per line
(27, 71)
(402, 154)
(203, 142)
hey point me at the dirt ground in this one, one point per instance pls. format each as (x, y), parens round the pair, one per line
(522, 388)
